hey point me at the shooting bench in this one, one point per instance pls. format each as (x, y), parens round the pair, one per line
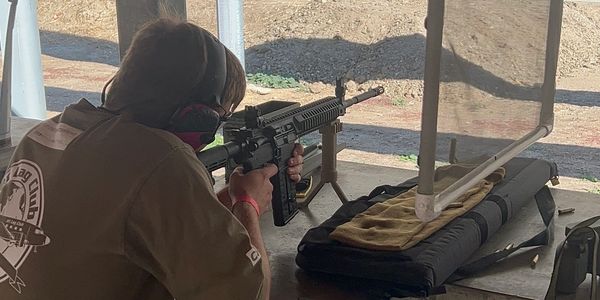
(510, 279)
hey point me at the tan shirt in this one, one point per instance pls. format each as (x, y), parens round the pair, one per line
(95, 206)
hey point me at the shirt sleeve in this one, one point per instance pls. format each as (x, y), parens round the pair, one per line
(179, 232)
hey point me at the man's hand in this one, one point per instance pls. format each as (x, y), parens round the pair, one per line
(294, 169)
(255, 184)
(295, 163)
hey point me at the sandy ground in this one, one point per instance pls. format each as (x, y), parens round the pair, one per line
(314, 41)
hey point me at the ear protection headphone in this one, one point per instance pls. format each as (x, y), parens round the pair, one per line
(196, 123)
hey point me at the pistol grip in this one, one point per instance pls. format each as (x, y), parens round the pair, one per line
(284, 189)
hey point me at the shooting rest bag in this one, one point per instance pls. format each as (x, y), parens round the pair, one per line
(422, 270)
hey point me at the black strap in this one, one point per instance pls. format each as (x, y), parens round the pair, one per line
(583, 226)
(547, 207)
(501, 204)
(481, 222)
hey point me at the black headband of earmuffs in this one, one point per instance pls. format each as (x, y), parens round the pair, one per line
(212, 87)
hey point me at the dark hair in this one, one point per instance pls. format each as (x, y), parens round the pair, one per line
(166, 62)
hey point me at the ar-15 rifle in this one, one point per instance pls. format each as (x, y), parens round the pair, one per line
(268, 135)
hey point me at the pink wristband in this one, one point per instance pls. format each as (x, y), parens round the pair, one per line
(247, 199)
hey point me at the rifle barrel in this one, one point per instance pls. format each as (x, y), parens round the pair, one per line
(364, 96)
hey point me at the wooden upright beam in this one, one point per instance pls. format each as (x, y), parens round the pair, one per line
(132, 14)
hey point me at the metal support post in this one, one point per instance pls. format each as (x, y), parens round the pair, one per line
(19, 32)
(230, 21)
(5, 111)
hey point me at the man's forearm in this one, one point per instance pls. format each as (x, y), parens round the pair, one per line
(246, 214)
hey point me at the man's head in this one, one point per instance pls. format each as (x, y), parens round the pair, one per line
(170, 65)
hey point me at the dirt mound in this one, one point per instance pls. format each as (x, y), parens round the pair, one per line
(580, 44)
(88, 18)
(378, 43)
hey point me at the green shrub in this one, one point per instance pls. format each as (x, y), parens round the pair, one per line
(408, 157)
(398, 102)
(273, 81)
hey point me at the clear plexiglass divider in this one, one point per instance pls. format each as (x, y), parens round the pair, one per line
(490, 80)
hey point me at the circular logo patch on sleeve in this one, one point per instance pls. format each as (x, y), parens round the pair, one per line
(21, 213)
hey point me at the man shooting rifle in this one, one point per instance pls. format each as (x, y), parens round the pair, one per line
(115, 198)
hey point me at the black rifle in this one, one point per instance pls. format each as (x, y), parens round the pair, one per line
(267, 134)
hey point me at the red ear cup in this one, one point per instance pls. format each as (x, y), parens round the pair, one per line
(195, 124)
(195, 117)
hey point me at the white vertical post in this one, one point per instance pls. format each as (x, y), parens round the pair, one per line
(5, 136)
(27, 88)
(424, 202)
(230, 21)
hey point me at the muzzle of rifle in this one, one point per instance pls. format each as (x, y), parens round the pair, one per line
(374, 92)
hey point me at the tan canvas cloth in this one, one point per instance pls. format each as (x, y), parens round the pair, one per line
(95, 206)
(393, 225)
